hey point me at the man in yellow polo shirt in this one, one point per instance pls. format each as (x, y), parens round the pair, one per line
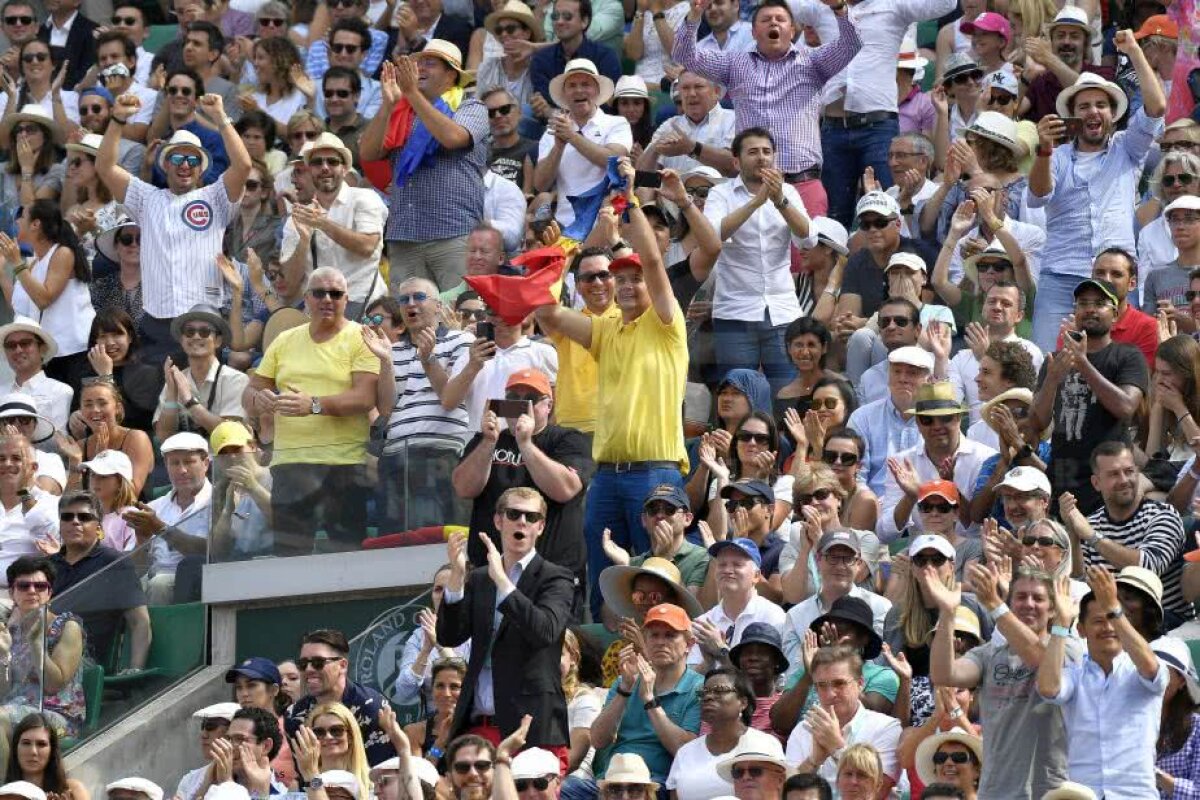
(578, 374)
(642, 360)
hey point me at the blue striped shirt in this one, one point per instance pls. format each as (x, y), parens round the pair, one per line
(418, 414)
(317, 63)
(886, 432)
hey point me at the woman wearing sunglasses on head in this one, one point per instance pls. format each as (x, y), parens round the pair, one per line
(830, 404)
(331, 740)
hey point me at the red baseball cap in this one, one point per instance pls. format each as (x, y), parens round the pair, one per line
(670, 615)
(633, 260)
(943, 489)
(533, 378)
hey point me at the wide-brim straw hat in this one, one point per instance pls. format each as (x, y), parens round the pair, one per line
(995, 127)
(927, 748)
(616, 587)
(517, 11)
(1090, 80)
(449, 53)
(581, 66)
(32, 112)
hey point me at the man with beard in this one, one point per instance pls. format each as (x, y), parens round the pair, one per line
(1132, 325)
(1084, 185)
(183, 226)
(1062, 59)
(470, 760)
(1090, 390)
(1025, 751)
(1129, 529)
(342, 227)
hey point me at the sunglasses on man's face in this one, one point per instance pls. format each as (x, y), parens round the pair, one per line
(525, 784)
(964, 78)
(343, 48)
(992, 266)
(737, 772)
(747, 503)
(935, 508)
(271, 22)
(180, 91)
(321, 294)
(126, 22)
(465, 767)
(515, 514)
(898, 321)
(473, 313)
(878, 223)
(316, 662)
(91, 109)
(179, 159)
(501, 111)
(595, 277)
(196, 331)
(80, 516)
(341, 94)
(18, 20)
(929, 420)
(957, 757)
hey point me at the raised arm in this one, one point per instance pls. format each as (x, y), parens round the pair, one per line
(107, 168)
(641, 236)
(212, 107)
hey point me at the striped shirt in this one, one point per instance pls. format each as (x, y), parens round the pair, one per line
(418, 414)
(181, 239)
(782, 95)
(317, 62)
(1156, 532)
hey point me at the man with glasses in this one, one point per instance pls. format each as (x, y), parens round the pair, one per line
(131, 21)
(1166, 288)
(341, 89)
(325, 667)
(1090, 390)
(183, 225)
(426, 428)
(510, 155)
(27, 347)
(176, 111)
(884, 425)
(318, 59)
(899, 323)
(529, 451)
(470, 764)
(20, 25)
(95, 109)
(666, 516)
(840, 719)
(493, 362)
(570, 20)
(342, 227)
(245, 753)
(198, 397)
(910, 158)
(319, 381)
(944, 454)
(532, 775)
(514, 610)
(700, 135)
(756, 768)
(349, 43)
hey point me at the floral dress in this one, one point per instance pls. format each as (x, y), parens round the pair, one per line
(65, 709)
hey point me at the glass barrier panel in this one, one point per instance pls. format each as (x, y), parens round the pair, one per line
(383, 657)
(276, 503)
(124, 629)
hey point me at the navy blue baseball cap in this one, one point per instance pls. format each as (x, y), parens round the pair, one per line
(750, 489)
(256, 669)
(746, 546)
(670, 493)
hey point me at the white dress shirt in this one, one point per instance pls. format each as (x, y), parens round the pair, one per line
(1155, 250)
(361, 211)
(759, 609)
(19, 532)
(869, 82)
(866, 727)
(715, 129)
(754, 270)
(484, 703)
(576, 175)
(964, 368)
(968, 460)
(489, 383)
(52, 398)
(58, 36)
(504, 209)
(1112, 726)
(194, 520)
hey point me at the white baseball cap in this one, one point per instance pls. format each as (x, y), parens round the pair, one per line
(227, 791)
(881, 203)
(1188, 202)
(110, 462)
(931, 541)
(218, 711)
(832, 234)
(1025, 479)
(184, 441)
(23, 789)
(340, 779)
(141, 785)
(535, 762)
(913, 356)
(911, 261)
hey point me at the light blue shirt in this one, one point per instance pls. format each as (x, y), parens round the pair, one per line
(738, 40)
(369, 99)
(1112, 726)
(485, 689)
(886, 432)
(1087, 209)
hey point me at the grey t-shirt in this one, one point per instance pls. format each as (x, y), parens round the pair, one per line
(1168, 283)
(1026, 740)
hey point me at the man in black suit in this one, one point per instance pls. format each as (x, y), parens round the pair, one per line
(514, 611)
(69, 34)
(418, 21)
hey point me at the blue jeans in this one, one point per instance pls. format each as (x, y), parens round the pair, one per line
(847, 152)
(753, 345)
(1055, 300)
(614, 501)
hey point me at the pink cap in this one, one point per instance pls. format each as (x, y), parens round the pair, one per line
(989, 22)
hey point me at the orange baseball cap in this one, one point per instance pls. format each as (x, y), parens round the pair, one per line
(943, 489)
(670, 615)
(1158, 25)
(532, 378)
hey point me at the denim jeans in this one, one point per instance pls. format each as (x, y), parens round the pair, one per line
(847, 153)
(614, 501)
(751, 345)
(1055, 300)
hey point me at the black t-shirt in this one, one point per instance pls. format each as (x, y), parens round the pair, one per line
(865, 278)
(509, 162)
(1081, 421)
(683, 283)
(562, 540)
(100, 602)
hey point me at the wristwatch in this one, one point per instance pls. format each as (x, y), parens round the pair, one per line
(316, 783)
(782, 204)
(696, 149)
(1116, 613)
(651, 704)
(191, 403)
(658, 15)
(316, 405)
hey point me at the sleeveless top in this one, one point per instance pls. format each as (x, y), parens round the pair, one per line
(69, 318)
(25, 688)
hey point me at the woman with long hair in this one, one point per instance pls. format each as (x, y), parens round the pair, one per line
(1174, 399)
(30, 132)
(257, 225)
(830, 403)
(113, 345)
(86, 202)
(631, 100)
(259, 133)
(120, 290)
(256, 684)
(908, 626)
(110, 478)
(726, 705)
(35, 756)
(283, 87)
(843, 451)
(752, 456)
(584, 700)
(1177, 758)
(331, 739)
(103, 412)
(52, 287)
(433, 732)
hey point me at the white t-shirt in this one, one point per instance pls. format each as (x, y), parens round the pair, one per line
(576, 175)
(693, 773)
(868, 727)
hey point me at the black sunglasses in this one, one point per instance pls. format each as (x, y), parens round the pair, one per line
(737, 772)
(502, 30)
(747, 503)
(501, 111)
(1041, 541)
(1191, 294)
(128, 239)
(878, 223)
(91, 109)
(128, 22)
(992, 266)
(1183, 179)
(820, 495)
(29, 58)
(464, 767)
(342, 47)
(341, 93)
(514, 514)
(844, 459)
(940, 508)
(898, 321)
(745, 437)
(926, 420)
(316, 662)
(81, 516)
(523, 784)
(931, 559)
(957, 757)
(321, 294)
(593, 277)
(18, 20)
(1001, 98)
(253, 186)
(186, 91)
(271, 22)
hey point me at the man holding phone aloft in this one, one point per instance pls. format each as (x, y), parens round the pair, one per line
(1085, 185)
(527, 450)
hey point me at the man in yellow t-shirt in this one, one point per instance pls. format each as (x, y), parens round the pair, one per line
(578, 374)
(318, 383)
(642, 360)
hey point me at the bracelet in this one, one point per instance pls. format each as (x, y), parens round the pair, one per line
(1060, 631)
(436, 752)
(26, 177)
(171, 405)
(956, 713)
(19, 268)
(622, 692)
(998, 612)
(834, 293)
(1043, 152)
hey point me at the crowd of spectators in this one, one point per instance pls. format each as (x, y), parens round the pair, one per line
(806, 392)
